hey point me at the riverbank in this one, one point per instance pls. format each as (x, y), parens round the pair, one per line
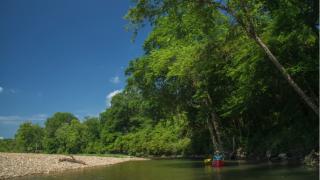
(22, 164)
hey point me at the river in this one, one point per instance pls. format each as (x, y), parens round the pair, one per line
(184, 170)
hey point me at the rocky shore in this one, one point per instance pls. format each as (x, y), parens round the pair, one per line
(22, 164)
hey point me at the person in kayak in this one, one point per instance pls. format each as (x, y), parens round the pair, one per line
(217, 156)
(217, 159)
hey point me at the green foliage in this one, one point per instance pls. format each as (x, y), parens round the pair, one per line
(91, 132)
(52, 124)
(29, 137)
(8, 145)
(71, 138)
(168, 137)
(196, 54)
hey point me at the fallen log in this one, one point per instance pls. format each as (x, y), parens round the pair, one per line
(72, 160)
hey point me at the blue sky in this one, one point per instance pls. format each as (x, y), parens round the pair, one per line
(61, 55)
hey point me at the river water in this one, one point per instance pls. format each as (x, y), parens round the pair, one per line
(185, 170)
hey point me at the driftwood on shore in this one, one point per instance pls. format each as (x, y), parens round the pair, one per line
(73, 160)
(22, 164)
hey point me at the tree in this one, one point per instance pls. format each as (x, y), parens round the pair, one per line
(29, 137)
(182, 72)
(200, 57)
(248, 15)
(71, 137)
(8, 145)
(92, 135)
(51, 126)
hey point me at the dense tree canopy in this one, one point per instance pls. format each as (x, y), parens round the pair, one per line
(51, 126)
(248, 68)
(29, 137)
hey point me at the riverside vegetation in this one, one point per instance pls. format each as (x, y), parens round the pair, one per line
(235, 76)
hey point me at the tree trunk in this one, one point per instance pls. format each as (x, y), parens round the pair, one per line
(286, 75)
(72, 160)
(215, 124)
(251, 32)
(212, 136)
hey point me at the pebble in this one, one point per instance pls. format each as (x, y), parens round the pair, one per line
(21, 164)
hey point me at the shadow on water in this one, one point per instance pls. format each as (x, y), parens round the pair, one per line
(190, 164)
(185, 170)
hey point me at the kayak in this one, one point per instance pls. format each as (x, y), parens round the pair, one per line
(217, 163)
(207, 161)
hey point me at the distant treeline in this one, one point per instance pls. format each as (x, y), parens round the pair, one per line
(238, 76)
(64, 133)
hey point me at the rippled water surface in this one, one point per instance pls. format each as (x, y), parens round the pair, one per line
(185, 170)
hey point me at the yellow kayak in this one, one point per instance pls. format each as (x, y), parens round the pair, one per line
(207, 161)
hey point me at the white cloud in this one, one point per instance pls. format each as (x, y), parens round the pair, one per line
(9, 90)
(15, 119)
(115, 80)
(111, 94)
(14, 91)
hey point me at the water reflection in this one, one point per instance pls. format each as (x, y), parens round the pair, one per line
(185, 170)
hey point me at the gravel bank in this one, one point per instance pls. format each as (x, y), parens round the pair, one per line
(21, 164)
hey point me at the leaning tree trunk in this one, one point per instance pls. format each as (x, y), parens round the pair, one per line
(213, 125)
(212, 135)
(252, 33)
(286, 75)
(248, 25)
